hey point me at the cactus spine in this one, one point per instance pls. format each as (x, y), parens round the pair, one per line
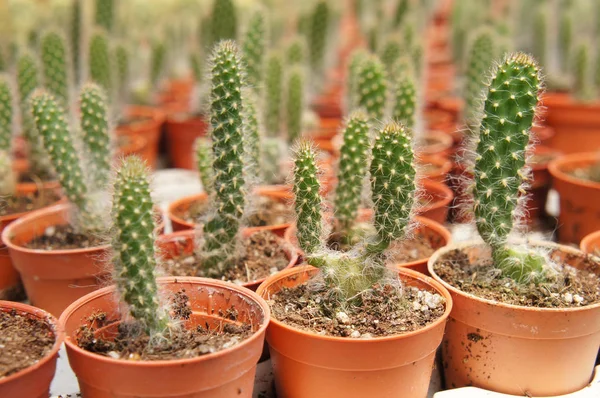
(133, 247)
(499, 171)
(295, 103)
(372, 87)
(157, 62)
(104, 14)
(480, 59)
(405, 103)
(317, 36)
(100, 65)
(204, 159)
(254, 48)
(96, 133)
(226, 117)
(224, 21)
(273, 92)
(54, 62)
(76, 38)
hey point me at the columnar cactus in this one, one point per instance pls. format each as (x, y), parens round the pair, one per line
(204, 160)
(134, 256)
(405, 100)
(157, 62)
(54, 63)
(252, 140)
(226, 118)
(581, 72)
(499, 172)
(99, 59)
(565, 39)
(196, 66)
(6, 115)
(122, 63)
(294, 103)
(354, 67)
(479, 62)
(401, 10)
(459, 32)
(272, 151)
(352, 170)
(372, 87)
(540, 34)
(416, 53)
(96, 133)
(224, 21)
(296, 51)
(390, 53)
(76, 38)
(8, 181)
(254, 48)
(104, 14)
(318, 34)
(273, 92)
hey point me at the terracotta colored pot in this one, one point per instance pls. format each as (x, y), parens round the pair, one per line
(576, 124)
(591, 243)
(181, 88)
(543, 134)
(437, 170)
(133, 145)
(309, 365)
(183, 242)
(579, 199)
(434, 144)
(438, 120)
(439, 197)
(34, 381)
(181, 135)
(329, 105)
(452, 105)
(540, 185)
(519, 350)
(224, 374)
(53, 279)
(148, 126)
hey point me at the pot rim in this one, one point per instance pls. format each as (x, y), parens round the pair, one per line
(54, 325)
(588, 240)
(433, 225)
(248, 294)
(7, 234)
(556, 166)
(461, 245)
(438, 287)
(445, 195)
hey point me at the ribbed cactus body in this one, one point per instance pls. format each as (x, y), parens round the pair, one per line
(157, 62)
(54, 62)
(372, 87)
(480, 60)
(504, 134)
(105, 14)
(318, 35)
(224, 21)
(76, 38)
(252, 139)
(133, 246)
(352, 170)
(273, 92)
(294, 103)
(96, 133)
(354, 67)
(405, 100)
(226, 118)
(100, 65)
(6, 115)
(254, 47)
(204, 160)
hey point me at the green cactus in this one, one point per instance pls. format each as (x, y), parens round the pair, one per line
(3, 62)
(273, 93)
(357, 58)
(540, 34)
(405, 100)
(157, 62)
(224, 21)
(372, 87)
(581, 72)
(417, 58)
(226, 118)
(6, 115)
(122, 68)
(54, 63)
(401, 11)
(252, 139)
(196, 65)
(254, 48)
(76, 38)
(134, 256)
(318, 34)
(296, 51)
(99, 59)
(499, 173)
(96, 132)
(565, 39)
(272, 151)
(458, 30)
(295, 103)
(352, 170)
(8, 180)
(204, 160)
(104, 14)
(390, 53)
(479, 62)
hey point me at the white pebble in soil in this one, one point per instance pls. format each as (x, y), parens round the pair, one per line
(342, 318)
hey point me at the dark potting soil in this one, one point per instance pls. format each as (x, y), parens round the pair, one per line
(38, 179)
(569, 288)
(384, 311)
(25, 203)
(63, 237)
(264, 255)
(13, 293)
(131, 343)
(590, 173)
(23, 342)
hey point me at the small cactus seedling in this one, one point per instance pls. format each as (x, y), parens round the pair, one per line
(204, 160)
(105, 14)
(499, 172)
(100, 65)
(54, 62)
(224, 21)
(296, 51)
(372, 87)
(294, 103)
(352, 92)
(134, 256)
(405, 100)
(318, 34)
(254, 48)
(76, 38)
(157, 62)
(480, 59)
(273, 93)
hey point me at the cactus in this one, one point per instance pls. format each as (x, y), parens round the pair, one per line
(99, 59)
(354, 66)
(499, 171)
(565, 39)
(372, 87)
(196, 65)
(6, 115)
(480, 59)
(157, 62)
(104, 14)
(295, 103)
(390, 53)
(252, 139)
(254, 48)
(122, 78)
(273, 93)
(204, 160)
(401, 10)
(76, 38)
(405, 100)
(296, 51)
(352, 170)
(224, 21)
(272, 151)
(318, 34)
(226, 118)
(3, 62)
(417, 58)
(96, 133)
(459, 32)
(8, 180)
(581, 72)
(54, 62)
(132, 243)
(540, 35)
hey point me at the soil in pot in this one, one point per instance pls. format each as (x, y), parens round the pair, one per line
(28, 202)
(63, 237)
(588, 173)
(264, 255)
(24, 340)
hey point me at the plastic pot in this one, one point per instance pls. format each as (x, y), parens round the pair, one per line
(184, 242)
(181, 135)
(309, 365)
(434, 144)
(540, 185)
(145, 121)
(133, 145)
(514, 349)
(438, 197)
(34, 381)
(53, 279)
(437, 170)
(591, 243)
(579, 199)
(224, 374)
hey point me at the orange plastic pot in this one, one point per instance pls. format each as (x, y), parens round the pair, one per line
(434, 144)
(540, 185)
(438, 120)
(437, 169)
(147, 122)
(224, 374)
(450, 104)
(133, 145)
(183, 242)
(181, 135)
(309, 365)
(579, 199)
(591, 243)
(576, 124)
(438, 197)
(519, 350)
(53, 279)
(34, 381)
